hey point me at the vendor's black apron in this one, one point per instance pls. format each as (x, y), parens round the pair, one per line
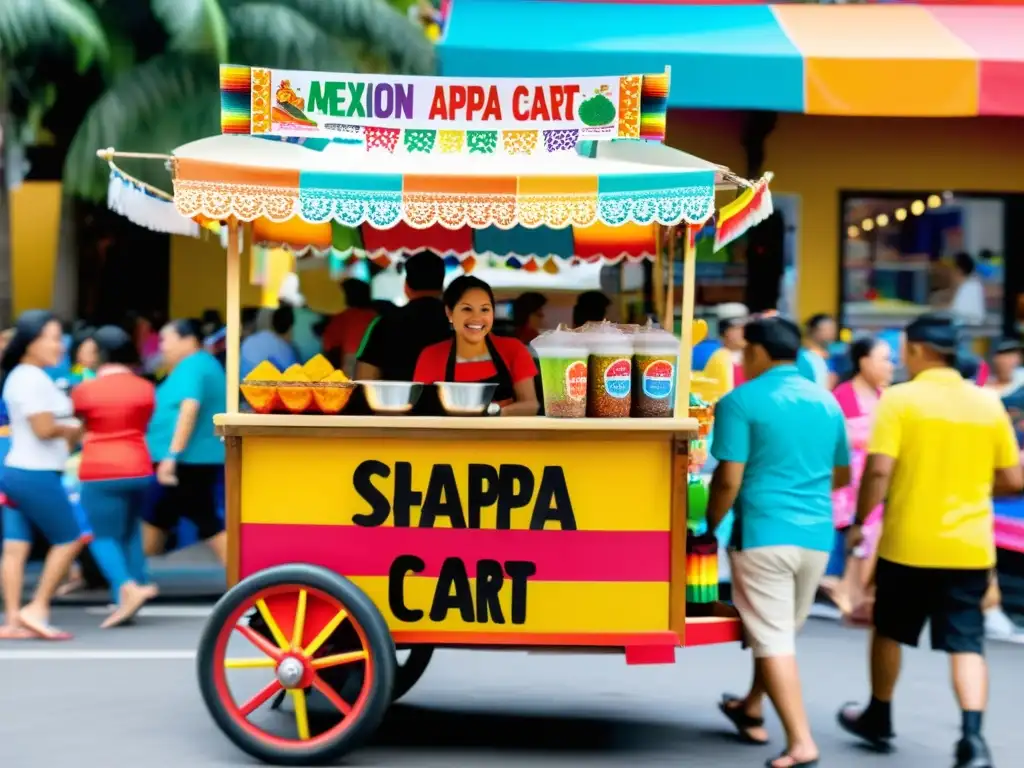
(505, 391)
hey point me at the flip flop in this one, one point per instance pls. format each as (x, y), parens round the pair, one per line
(741, 720)
(125, 612)
(43, 631)
(806, 764)
(16, 633)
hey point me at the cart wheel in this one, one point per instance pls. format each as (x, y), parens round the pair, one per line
(320, 622)
(411, 663)
(409, 673)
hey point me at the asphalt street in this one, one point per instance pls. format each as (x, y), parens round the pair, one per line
(128, 697)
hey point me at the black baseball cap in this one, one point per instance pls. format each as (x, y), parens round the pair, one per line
(1007, 345)
(941, 332)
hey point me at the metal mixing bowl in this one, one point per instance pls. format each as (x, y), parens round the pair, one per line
(465, 398)
(391, 396)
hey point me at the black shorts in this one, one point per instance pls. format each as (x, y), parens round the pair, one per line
(948, 599)
(194, 498)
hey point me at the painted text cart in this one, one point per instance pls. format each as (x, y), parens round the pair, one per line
(351, 537)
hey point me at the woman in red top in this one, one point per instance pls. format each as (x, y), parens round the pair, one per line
(116, 470)
(474, 355)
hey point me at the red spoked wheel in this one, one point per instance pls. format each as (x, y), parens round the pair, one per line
(287, 629)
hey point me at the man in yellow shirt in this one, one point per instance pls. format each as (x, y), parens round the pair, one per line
(939, 449)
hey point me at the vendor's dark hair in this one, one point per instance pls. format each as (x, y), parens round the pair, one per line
(859, 349)
(115, 345)
(187, 327)
(357, 293)
(28, 328)
(462, 285)
(779, 337)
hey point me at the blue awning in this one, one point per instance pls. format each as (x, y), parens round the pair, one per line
(724, 57)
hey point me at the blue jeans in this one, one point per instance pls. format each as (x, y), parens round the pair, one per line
(115, 509)
(38, 499)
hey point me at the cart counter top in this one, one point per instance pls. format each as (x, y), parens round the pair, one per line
(243, 424)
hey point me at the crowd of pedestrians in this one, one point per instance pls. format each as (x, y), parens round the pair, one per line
(903, 476)
(149, 456)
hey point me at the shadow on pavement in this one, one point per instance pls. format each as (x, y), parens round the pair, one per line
(417, 727)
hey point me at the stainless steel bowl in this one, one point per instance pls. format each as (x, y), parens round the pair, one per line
(464, 398)
(391, 396)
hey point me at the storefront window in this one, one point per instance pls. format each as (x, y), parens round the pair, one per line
(905, 254)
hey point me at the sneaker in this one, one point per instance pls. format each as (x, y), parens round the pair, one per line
(999, 626)
(972, 752)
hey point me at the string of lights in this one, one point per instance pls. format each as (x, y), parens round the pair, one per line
(883, 220)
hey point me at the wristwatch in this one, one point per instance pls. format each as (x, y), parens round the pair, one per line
(493, 409)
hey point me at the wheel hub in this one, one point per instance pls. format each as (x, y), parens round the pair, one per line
(290, 672)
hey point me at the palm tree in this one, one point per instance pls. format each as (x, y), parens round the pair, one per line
(30, 29)
(157, 103)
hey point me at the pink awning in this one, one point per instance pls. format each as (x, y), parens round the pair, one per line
(997, 35)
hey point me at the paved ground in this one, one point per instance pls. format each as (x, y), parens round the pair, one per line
(128, 698)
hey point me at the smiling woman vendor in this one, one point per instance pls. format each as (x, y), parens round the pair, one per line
(474, 355)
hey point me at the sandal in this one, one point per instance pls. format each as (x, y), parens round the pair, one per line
(42, 630)
(806, 764)
(856, 725)
(740, 719)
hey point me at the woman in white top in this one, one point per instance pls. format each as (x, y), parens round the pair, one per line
(42, 431)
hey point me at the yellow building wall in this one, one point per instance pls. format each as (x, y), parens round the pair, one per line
(199, 273)
(35, 234)
(817, 157)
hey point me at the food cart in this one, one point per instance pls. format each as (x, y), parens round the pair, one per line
(353, 536)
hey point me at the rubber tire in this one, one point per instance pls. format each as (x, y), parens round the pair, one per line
(378, 637)
(408, 674)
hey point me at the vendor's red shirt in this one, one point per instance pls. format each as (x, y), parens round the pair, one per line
(115, 409)
(433, 362)
(346, 329)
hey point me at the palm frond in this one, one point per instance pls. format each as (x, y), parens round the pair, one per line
(167, 101)
(26, 25)
(197, 26)
(382, 29)
(274, 35)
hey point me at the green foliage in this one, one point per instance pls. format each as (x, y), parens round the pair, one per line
(597, 110)
(30, 26)
(162, 87)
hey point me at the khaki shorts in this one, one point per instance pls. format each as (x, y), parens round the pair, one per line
(773, 589)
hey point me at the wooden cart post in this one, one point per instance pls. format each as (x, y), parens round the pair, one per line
(233, 444)
(658, 276)
(234, 315)
(686, 345)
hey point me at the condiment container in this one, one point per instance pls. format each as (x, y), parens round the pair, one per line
(609, 372)
(562, 356)
(655, 364)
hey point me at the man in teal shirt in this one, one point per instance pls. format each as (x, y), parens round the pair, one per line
(780, 441)
(189, 456)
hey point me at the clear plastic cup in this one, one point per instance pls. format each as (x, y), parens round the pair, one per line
(562, 358)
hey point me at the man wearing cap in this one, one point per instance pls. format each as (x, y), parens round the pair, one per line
(939, 449)
(780, 441)
(725, 364)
